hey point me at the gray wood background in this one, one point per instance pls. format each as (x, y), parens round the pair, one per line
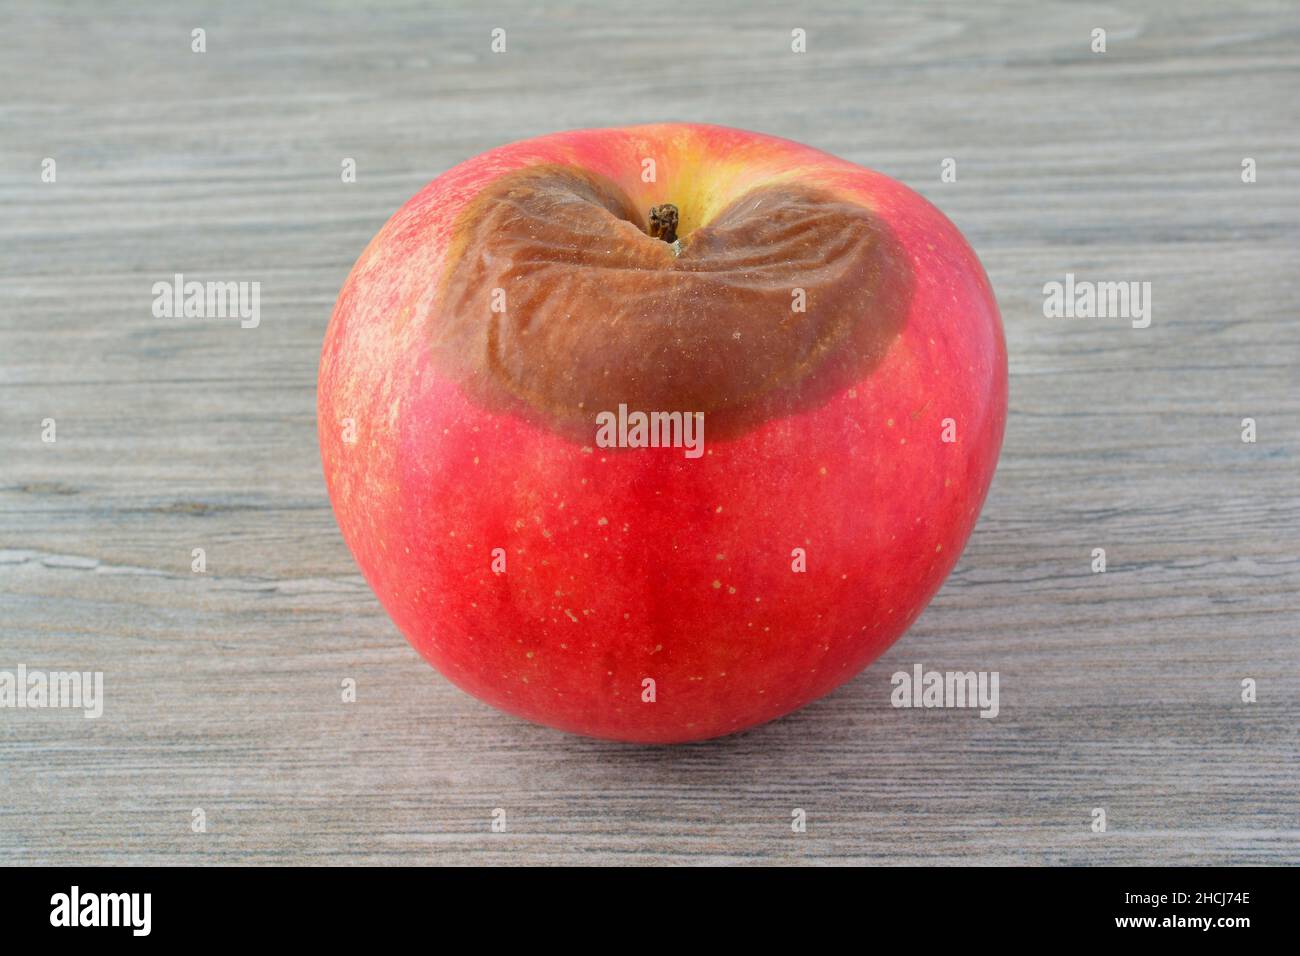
(1119, 690)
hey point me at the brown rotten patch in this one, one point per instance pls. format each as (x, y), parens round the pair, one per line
(599, 312)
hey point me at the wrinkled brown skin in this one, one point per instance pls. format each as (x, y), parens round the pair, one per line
(599, 311)
(475, 428)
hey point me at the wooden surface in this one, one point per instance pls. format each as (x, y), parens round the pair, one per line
(1119, 690)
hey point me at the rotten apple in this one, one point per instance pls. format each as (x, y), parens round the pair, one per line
(508, 399)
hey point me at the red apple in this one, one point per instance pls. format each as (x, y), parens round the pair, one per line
(833, 330)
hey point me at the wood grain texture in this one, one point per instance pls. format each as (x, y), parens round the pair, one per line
(1118, 690)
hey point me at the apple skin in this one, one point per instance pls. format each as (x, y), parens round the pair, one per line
(624, 565)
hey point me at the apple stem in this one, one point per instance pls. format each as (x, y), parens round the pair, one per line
(663, 222)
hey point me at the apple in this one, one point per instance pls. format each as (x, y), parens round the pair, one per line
(658, 433)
